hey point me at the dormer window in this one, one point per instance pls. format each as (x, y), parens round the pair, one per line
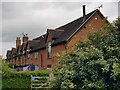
(49, 50)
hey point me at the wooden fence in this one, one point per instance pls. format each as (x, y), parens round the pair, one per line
(40, 82)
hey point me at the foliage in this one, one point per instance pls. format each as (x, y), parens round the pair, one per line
(16, 82)
(19, 80)
(5, 68)
(0, 72)
(94, 63)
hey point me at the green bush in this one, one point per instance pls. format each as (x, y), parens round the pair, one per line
(94, 64)
(19, 80)
(16, 82)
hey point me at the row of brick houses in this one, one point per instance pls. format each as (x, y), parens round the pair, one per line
(41, 51)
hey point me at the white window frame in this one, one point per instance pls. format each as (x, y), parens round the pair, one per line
(36, 55)
(49, 50)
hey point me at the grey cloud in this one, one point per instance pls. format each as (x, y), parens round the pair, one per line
(70, 6)
(41, 5)
(110, 10)
(35, 17)
(65, 5)
(13, 10)
(11, 32)
(119, 8)
(0, 23)
(28, 23)
(28, 17)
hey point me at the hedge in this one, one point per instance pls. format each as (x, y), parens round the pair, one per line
(22, 80)
(18, 80)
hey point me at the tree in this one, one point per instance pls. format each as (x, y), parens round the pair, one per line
(5, 67)
(94, 63)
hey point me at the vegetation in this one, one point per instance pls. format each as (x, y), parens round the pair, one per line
(18, 80)
(94, 64)
(0, 72)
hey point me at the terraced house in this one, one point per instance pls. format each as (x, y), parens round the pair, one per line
(41, 51)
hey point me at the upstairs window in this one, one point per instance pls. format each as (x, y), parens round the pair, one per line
(28, 55)
(36, 55)
(19, 53)
(23, 60)
(23, 52)
(49, 50)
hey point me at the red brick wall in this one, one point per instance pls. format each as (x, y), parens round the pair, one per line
(58, 50)
(91, 25)
(54, 50)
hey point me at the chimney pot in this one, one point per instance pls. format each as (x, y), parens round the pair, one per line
(84, 10)
(25, 38)
(18, 42)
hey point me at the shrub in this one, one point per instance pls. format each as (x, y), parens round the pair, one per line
(94, 64)
(18, 80)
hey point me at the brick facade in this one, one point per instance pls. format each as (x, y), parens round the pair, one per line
(36, 51)
(94, 24)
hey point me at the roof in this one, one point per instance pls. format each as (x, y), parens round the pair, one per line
(55, 33)
(39, 43)
(64, 33)
(59, 35)
(72, 27)
(40, 37)
(9, 53)
(33, 44)
(14, 51)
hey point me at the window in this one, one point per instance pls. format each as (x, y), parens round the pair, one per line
(36, 55)
(23, 60)
(28, 55)
(49, 50)
(49, 66)
(23, 52)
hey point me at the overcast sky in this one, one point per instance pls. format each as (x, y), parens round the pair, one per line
(34, 18)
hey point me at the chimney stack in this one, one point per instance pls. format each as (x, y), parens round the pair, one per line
(25, 38)
(18, 42)
(84, 10)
